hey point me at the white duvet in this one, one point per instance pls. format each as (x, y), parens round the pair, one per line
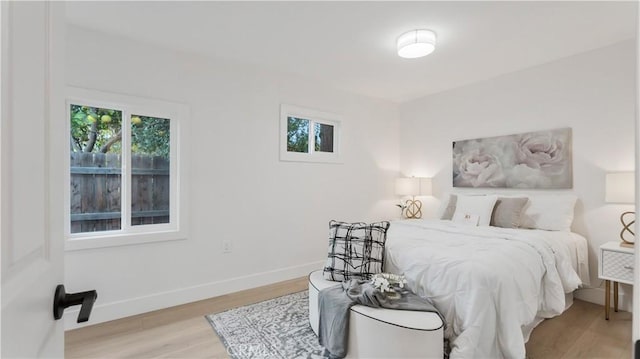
(489, 283)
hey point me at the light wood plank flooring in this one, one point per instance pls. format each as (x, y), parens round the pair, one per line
(182, 331)
(582, 332)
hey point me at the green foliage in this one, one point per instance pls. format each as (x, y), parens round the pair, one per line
(95, 129)
(297, 135)
(150, 136)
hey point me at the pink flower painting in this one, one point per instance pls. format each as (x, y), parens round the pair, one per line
(540, 160)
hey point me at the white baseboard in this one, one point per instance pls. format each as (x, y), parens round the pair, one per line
(104, 312)
(596, 296)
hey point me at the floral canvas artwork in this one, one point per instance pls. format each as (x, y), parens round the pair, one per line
(533, 160)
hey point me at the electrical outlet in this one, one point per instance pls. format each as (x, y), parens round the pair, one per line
(226, 246)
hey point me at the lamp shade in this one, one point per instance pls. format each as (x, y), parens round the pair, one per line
(416, 43)
(425, 187)
(413, 186)
(407, 186)
(620, 187)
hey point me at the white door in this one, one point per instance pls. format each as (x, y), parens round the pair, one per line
(636, 284)
(31, 177)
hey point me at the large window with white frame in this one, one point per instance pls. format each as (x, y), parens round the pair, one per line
(125, 170)
(308, 135)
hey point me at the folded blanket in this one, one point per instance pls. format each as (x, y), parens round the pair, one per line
(334, 304)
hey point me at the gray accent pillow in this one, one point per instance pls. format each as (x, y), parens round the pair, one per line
(451, 208)
(507, 212)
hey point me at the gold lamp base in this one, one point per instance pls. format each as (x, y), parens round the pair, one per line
(627, 239)
(413, 209)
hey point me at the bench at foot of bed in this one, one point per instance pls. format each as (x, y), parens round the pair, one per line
(383, 333)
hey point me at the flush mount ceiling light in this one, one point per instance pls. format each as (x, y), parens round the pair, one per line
(416, 43)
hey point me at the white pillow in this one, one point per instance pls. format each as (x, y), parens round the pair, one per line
(482, 206)
(549, 212)
(468, 219)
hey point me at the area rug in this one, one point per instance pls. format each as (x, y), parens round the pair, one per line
(276, 328)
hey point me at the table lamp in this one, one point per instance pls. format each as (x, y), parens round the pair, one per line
(620, 188)
(413, 186)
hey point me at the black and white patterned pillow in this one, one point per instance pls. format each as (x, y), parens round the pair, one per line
(356, 250)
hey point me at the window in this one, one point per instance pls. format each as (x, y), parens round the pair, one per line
(125, 170)
(308, 135)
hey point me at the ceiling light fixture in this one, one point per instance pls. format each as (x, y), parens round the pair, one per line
(416, 43)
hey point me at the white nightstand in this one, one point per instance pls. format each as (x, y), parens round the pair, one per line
(615, 263)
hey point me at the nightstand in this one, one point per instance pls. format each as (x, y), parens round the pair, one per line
(615, 264)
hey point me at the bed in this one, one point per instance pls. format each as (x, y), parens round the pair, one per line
(492, 285)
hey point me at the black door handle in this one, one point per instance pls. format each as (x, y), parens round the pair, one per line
(62, 300)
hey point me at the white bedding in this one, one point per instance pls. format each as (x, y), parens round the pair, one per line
(489, 283)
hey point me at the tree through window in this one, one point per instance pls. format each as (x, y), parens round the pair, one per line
(100, 170)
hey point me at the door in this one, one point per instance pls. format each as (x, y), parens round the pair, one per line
(31, 177)
(636, 228)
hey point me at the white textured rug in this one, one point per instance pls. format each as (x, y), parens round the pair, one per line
(276, 328)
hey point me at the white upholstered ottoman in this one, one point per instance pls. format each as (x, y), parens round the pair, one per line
(383, 333)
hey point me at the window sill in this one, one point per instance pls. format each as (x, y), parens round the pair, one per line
(116, 239)
(315, 157)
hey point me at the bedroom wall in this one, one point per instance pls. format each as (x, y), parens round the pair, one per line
(275, 213)
(593, 93)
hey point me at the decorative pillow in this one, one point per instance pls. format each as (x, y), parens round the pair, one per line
(450, 209)
(356, 250)
(549, 212)
(482, 206)
(507, 212)
(465, 218)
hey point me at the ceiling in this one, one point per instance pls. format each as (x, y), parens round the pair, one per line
(351, 45)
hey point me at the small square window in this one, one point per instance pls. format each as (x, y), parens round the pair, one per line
(309, 135)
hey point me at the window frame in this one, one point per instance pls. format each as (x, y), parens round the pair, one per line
(128, 234)
(314, 117)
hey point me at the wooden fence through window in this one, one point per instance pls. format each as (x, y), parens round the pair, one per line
(96, 191)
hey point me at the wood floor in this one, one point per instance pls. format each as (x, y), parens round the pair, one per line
(582, 332)
(182, 331)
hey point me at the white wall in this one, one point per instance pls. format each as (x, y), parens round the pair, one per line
(593, 93)
(275, 213)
